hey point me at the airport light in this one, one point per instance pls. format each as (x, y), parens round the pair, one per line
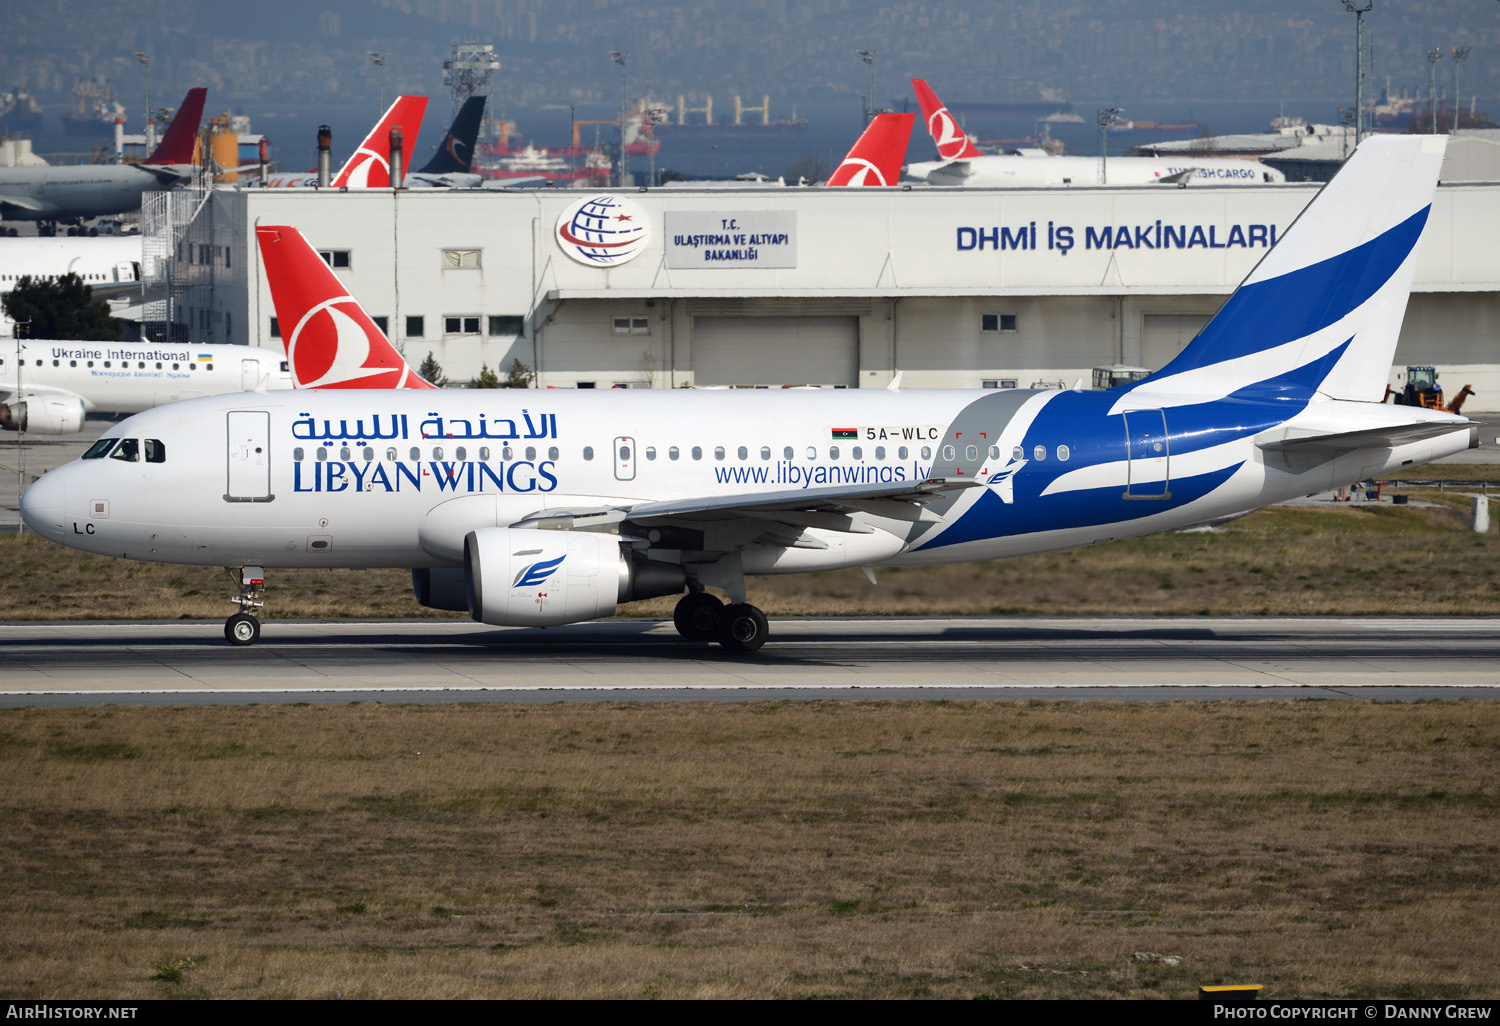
(1108, 116)
(1460, 54)
(1433, 56)
(868, 56)
(1360, 9)
(620, 59)
(377, 57)
(144, 56)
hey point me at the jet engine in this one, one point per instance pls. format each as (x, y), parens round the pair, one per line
(44, 415)
(524, 577)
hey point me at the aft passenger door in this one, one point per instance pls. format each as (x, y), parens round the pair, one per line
(1150, 455)
(249, 443)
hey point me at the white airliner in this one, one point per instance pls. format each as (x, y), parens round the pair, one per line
(46, 388)
(963, 165)
(537, 508)
(109, 265)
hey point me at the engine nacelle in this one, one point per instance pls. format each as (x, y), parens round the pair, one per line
(523, 577)
(44, 415)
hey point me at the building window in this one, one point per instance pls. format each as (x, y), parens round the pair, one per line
(416, 327)
(632, 326)
(997, 322)
(458, 324)
(275, 328)
(384, 324)
(504, 325)
(335, 258)
(456, 259)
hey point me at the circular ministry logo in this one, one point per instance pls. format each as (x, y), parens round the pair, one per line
(602, 231)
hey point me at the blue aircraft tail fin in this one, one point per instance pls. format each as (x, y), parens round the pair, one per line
(1337, 280)
(456, 152)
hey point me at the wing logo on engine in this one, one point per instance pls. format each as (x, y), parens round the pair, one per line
(536, 573)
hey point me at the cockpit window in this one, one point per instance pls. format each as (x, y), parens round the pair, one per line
(100, 448)
(156, 452)
(129, 450)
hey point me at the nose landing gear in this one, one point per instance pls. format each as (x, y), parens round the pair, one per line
(243, 628)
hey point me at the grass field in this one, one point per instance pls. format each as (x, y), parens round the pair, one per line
(1346, 560)
(768, 850)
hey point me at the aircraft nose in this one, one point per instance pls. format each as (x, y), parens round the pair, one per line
(44, 505)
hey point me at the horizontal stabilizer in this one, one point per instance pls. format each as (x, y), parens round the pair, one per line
(1385, 437)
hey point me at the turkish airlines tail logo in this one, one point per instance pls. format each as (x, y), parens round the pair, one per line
(370, 166)
(952, 142)
(877, 155)
(330, 341)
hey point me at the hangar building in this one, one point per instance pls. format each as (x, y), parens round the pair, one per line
(768, 286)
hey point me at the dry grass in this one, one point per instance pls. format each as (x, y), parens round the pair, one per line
(766, 850)
(1349, 560)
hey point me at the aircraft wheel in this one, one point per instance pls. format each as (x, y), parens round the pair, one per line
(743, 628)
(242, 629)
(697, 616)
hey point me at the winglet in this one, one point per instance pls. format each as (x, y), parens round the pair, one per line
(952, 142)
(176, 147)
(330, 341)
(456, 153)
(370, 166)
(877, 155)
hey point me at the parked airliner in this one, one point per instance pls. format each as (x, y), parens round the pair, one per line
(47, 387)
(537, 508)
(82, 191)
(962, 163)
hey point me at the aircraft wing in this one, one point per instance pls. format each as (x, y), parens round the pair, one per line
(834, 499)
(24, 202)
(1368, 438)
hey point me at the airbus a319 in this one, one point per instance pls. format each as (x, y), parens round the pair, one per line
(536, 508)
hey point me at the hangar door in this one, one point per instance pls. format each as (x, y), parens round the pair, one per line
(1163, 336)
(776, 350)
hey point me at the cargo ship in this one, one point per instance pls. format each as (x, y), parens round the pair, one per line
(19, 111)
(687, 124)
(94, 109)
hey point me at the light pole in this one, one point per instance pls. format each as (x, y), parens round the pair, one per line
(1107, 117)
(377, 57)
(144, 56)
(1433, 56)
(1460, 54)
(1360, 9)
(620, 58)
(868, 56)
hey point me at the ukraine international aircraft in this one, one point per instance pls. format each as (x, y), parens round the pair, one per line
(962, 164)
(46, 388)
(369, 166)
(75, 193)
(536, 508)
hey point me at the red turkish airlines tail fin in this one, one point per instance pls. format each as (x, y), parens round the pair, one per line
(176, 147)
(878, 154)
(330, 341)
(370, 166)
(952, 142)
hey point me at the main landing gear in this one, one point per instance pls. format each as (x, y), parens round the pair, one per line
(739, 627)
(243, 628)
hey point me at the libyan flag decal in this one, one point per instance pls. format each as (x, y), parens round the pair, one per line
(845, 433)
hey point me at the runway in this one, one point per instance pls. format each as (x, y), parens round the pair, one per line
(188, 662)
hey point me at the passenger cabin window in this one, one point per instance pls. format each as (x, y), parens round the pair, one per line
(129, 451)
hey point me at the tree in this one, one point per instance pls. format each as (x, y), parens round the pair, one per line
(487, 378)
(809, 169)
(521, 376)
(60, 308)
(432, 372)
